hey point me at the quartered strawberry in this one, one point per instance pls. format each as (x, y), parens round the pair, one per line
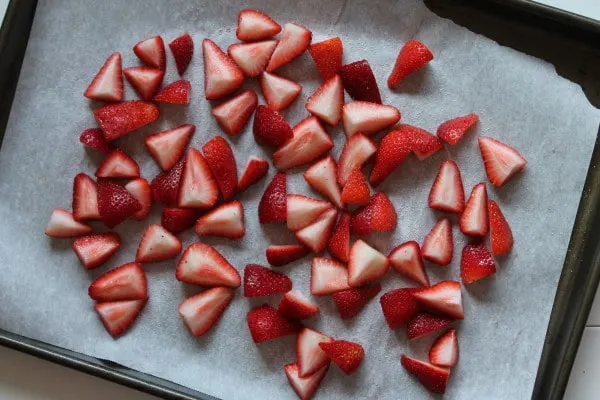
(85, 198)
(115, 203)
(278, 91)
(261, 281)
(327, 276)
(266, 323)
(356, 152)
(474, 219)
(366, 264)
(321, 176)
(157, 244)
(119, 119)
(453, 130)
(447, 193)
(438, 245)
(406, 259)
(327, 101)
(297, 306)
(165, 186)
(168, 147)
(177, 220)
(152, 52)
(255, 169)
(306, 387)
(221, 161)
(182, 48)
(421, 142)
(368, 118)
(107, 85)
(140, 189)
(202, 265)
(378, 216)
(233, 114)
(350, 302)
(95, 250)
(221, 75)
(127, 282)
(279, 255)
(360, 82)
(145, 80)
(254, 25)
(346, 355)
(118, 316)
(356, 191)
(501, 161)
(393, 150)
(178, 92)
(118, 165)
(309, 355)
(476, 263)
(316, 235)
(413, 56)
(197, 187)
(425, 323)
(270, 128)
(309, 142)
(433, 378)
(94, 139)
(252, 58)
(303, 210)
(327, 56)
(501, 237)
(227, 221)
(444, 297)
(444, 351)
(399, 306)
(273, 204)
(294, 41)
(339, 242)
(201, 311)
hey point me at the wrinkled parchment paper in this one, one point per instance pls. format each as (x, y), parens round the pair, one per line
(520, 99)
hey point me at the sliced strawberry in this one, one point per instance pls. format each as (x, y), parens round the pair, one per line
(501, 161)
(327, 101)
(157, 244)
(278, 91)
(406, 259)
(447, 193)
(279, 255)
(360, 82)
(327, 276)
(255, 169)
(118, 316)
(303, 211)
(233, 114)
(107, 85)
(306, 387)
(178, 92)
(413, 56)
(421, 142)
(321, 176)
(444, 351)
(115, 203)
(252, 58)
(273, 204)
(444, 297)
(356, 152)
(501, 237)
(297, 306)
(270, 128)
(227, 221)
(221, 161)
(327, 56)
(118, 165)
(197, 187)
(94, 139)
(140, 189)
(378, 216)
(433, 378)
(119, 119)
(368, 118)
(127, 282)
(356, 191)
(316, 235)
(453, 130)
(177, 220)
(95, 250)
(438, 245)
(339, 242)
(474, 219)
(85, 198)
(476, 263)
(350, 302)
(393, 150)
(254, 25)
(221, 75)
(152, 52)
(294, 41)
(201, 311)
(182, 48)
(399, 306)
(266, 323)
(309, 355)
(145, 80)
(424, 323)
(261, 281)
(165, 186)
(167, 147)
(346, 355)
(202, 265)
(366, 264)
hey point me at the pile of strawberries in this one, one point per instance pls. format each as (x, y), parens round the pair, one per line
(198, 189)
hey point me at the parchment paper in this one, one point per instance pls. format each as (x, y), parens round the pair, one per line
(521, 100)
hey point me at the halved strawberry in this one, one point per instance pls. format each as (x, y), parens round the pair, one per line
(295, 305)
(115, 203)
(182, 48)
(270, 128)
(255, 169)
(368, 118)
(221, 75)
(118, 316)
(425, 323)
(127, 282)
(221, 161)
(356, 190)
(444, 351)
(366, 264)
(85, 198)
(167, 147)
(303, 210)
(201, 311)
(420, 142)
(140, 189)
(393, 150)
(273, 203)
(399, 306)
(453, 130)
(279, 255)
(447, 193)
(233, 114)
(157, 244)
(227, 221)
(294, 41)
(95, 250)
(107, 85)
(501, 237)
(444, 297)
(252, 58)
(438, 245)
(278, 91)
(145, 80)
(327, 101)
(94, 139)
(309, 355)
(360, 82)
(378, 216)
(310, 141)
(327, 56)
(339, 242)
(350, 302)
(327, 276)
(266, 323)
(165, 186)
(321, 176)
(433, 378)
(316, 235)
(474, 219)
(501, 161)
(197, 187)
(119, 119)
(356, 152)
(406, 259)
(306, 387)
(118, 165)
(177, 92)
(177, 220)
(476, 263)
(413, 56)
(202, 265)
(152, 52)
(254, 25)
(346, 355)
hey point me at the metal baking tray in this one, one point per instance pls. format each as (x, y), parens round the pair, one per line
(570, 42)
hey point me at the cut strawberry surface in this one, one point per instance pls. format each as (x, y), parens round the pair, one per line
(182, 48)
(327, 101)
(321, 176)
(177, 220)
(197, 187)
(306, 387)
(221, 75)
(368, 118)
(413, 56)
(444, 351)
(127, 282)
(356, 191)
(366, 264)
(350, 302)
(295, 305)
(270, 128)
(94, 139)
(273, 204)
(327, 56)
(115, 203)
(438, 245)
(252, 58)
(201, 311)
(476, 263)
(316, 235)
(294, 41)
(152, 52)
(178, 92)
(118, 316)
(432, 377)
(378, 216)
(501, 161)
(266, 323)
(474, 219)
(327, 276)
(444, 297)
(453, 130)
(165, 186)
(157, 244)
(261, 281)
(447, 193)
(278, 91)
(339, 242)
(107, 85)
(420, 142)
(233, 114)
(501, 237)
(425, 323)
(255, 169)
(356, 152)
(279, 255)
(254, 25)
(360, 82)
(168, 147)
(303, 210)
(85, 198)
(95, 250)
(145, 80)
(226, 221)
(406, 259)
(202, 265)
(118, 165)
(221, 161)
(346, 355)
(399, 306)
(309, 355)
(393, 150)
(119, 119)
(140, 189)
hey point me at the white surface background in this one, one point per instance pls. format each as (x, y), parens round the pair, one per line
(23, 377)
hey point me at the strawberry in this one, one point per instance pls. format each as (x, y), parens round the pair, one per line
(360, 82)
(127, 282)
(140, 189)
(273, 204)
(254, 25)
(378, 216)
(115, 203)
(303, 211)
(433, 378)
(327, 101)
(145, 80)
(118, 316)
(95, 250)
(221, 162)
(255, 169)
(157, 244)
(438, 246)
(447, 193)
(366, 264)
(165, 186)
(356, 191)
(278, 91)
(321, 176)
(406, 259)
(476, 263)
(393, 150)
(118, 165)
(182, 48)
(424, 323)
(94, 139)
(270, 128)
(399, 306)
(309, 355)
(85, 198)
(202, 265)
(177, 220)
(296, 306)
(327, 56)
(167, 147)
(306, 387)
(233, 114)
(201, 311)
(356, 152)
(279, 255)
(177, 92)
(261, 281)
(444, 297)
(221, 75)
(107, 85)
(266, 323)
(294, 41)
(152, 52)
(350, 302)
(316, 235)
(421, 142)
(368, 118)
(501, 237)
(197, 187)
(309, 142)
(413, 56)
(346, 355)
(119, 119)
(252, 58)
(227, 221)
(474, 219)
(339, 242)
(444, 351)
(327, 276)
(501, 161)
(453, 130)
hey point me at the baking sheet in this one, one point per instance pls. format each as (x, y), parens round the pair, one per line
(43, 290)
